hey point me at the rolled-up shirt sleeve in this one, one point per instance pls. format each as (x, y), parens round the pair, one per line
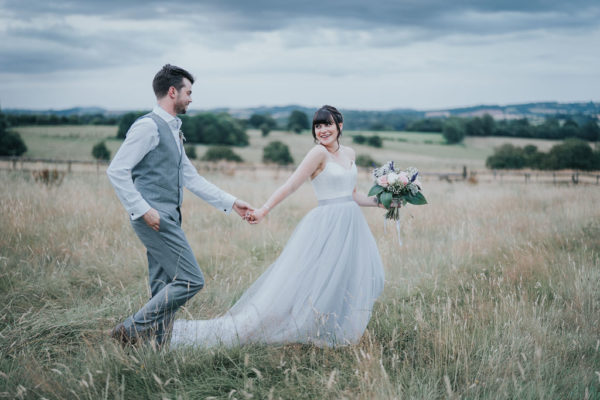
(204, 189)
(141, 138)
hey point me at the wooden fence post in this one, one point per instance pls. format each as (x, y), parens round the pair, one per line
(69, 166)
(554, 178)
(464, 174)
(575, 177)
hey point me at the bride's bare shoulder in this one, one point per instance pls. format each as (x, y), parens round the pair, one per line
(317, 151)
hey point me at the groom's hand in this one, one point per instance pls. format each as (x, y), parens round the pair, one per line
(242, 208)
(152, 219)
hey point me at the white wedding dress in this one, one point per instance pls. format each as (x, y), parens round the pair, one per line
(320, 290)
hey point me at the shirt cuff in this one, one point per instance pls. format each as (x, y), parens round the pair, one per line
(139, 210)
(228, 201)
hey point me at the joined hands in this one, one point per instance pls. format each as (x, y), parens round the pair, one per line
(248, 213)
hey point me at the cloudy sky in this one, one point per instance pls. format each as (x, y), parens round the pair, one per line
(359, 54)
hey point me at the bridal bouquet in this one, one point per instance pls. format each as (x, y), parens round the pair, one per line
(396, 188)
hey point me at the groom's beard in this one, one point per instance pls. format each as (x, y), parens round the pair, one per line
(180, 108)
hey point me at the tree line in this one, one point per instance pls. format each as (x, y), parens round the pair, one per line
(455, 129)
(54, 119)
(573, 153)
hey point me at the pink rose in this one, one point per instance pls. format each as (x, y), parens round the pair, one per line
(383, 181)
(403, 178)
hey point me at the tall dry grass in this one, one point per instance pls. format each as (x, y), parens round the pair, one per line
(495, 294)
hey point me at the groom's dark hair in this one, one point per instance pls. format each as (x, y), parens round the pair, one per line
(168, 76)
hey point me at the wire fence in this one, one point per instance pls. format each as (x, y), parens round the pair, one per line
(41, 168)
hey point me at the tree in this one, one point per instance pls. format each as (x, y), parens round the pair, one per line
(550, 129)
(522, 128)
(100, 151)
(126, 121)
(190, 151)
(572, 153)
(453, 131)
(359, 139)
(569, 129)
(277, 152)
(426, 125)
(364, 160)
(298, 121)
(488, 125)
(506, 156)
(216, 153)
(213, 128)
(590, 131)
(474, 127)
(11, 143)
(258, 120)
(265, 129)
(375, 141)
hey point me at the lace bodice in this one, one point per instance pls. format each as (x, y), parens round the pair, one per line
(335, 181)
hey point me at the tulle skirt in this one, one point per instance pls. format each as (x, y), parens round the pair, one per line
(320, 290)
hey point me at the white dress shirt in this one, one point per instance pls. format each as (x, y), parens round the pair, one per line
(142, 138)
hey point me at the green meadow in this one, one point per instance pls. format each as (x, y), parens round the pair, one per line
(495, 293)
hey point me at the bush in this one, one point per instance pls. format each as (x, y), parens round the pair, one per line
(359, 139)
(190, 151)
(11, 143)
(375, 141)
(506, 156)
(216, 153)
(454, 131)
(277, 152)
(363, 160)
(100, 151)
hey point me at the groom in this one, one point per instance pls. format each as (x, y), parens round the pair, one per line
(148, 173)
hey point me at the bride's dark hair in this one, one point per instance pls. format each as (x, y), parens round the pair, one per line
(326, 115)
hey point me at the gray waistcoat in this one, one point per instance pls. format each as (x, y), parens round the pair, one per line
(159, 175)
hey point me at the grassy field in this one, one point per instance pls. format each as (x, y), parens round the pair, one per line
(494, 295)
(425, 150)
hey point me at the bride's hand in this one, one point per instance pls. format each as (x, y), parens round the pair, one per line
(257, 215)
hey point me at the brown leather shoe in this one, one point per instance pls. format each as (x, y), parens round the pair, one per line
(120, 334)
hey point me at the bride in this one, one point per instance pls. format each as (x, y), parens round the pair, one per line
(322, 287)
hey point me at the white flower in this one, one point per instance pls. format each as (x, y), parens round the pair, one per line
(392, 178)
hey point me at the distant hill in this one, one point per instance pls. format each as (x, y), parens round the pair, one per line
(526, 110)
(396, 119)
(66, 112)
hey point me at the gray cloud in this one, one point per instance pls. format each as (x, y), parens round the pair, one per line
(40, 35)
(276, 14)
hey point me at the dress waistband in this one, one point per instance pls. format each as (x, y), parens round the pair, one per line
(335, 200)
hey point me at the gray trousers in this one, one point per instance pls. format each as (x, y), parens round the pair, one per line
(173, 272)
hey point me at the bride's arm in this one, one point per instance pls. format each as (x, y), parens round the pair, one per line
(365, 201)
(360, 198)
(306, 168)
